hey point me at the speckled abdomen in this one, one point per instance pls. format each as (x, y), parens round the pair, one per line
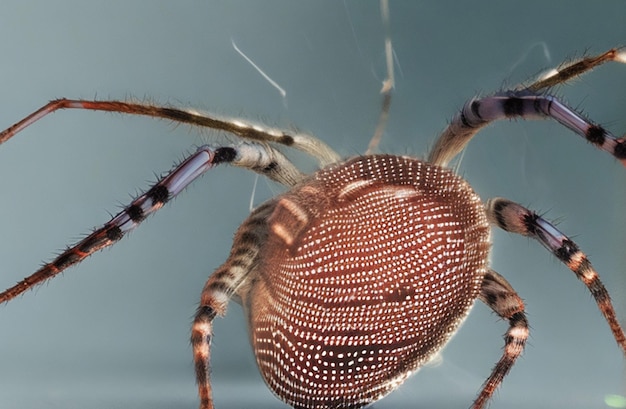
(369, 267)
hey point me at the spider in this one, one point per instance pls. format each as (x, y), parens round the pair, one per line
(358, 274)
(483, 369)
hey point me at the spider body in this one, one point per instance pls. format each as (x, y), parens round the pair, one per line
(362, 273)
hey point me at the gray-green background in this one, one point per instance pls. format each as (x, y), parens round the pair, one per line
(113, 333)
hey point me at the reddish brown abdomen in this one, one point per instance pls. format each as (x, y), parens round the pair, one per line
(369, 268)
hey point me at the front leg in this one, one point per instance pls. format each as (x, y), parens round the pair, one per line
(233, 278)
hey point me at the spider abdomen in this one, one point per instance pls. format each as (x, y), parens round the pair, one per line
(368, 269)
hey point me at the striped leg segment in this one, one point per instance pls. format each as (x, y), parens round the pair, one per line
(577, 68)
(201, 335)
(498, 294)
(260, 158)
(306, 143)
(528, 103)
(230, 280)
(515, 218)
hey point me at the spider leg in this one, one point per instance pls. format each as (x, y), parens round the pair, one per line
(246, 130)
(574, 69)
(388, 82)
(498, 294)
(526, 103)
(230, 279)
(259, 158)
(515, 218)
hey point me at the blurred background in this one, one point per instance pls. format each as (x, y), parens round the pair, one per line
(113, 332)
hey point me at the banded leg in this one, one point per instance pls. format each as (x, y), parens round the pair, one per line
(388, 82)
(577, 68)
(498, 294)
(529, 103)
(231, 279)
(259, 158)
(515, 218)
(306, 143)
